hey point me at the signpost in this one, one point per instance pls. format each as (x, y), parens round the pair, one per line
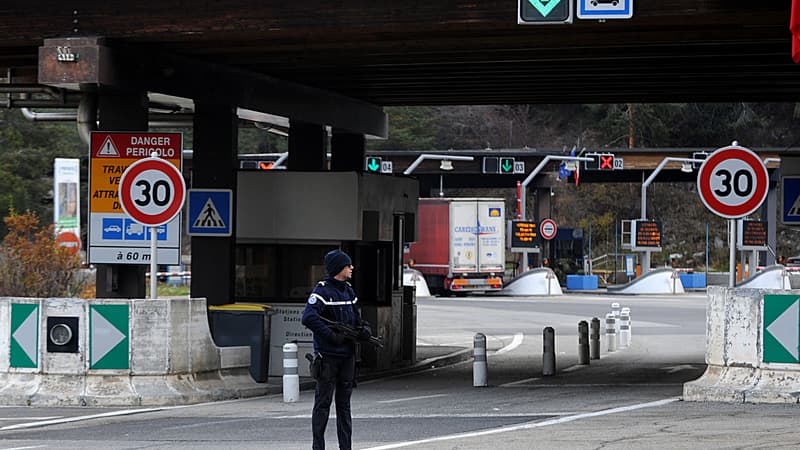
(781, 329)
(605, 9)
(548, 229)
(542, 12)
(733, 182)
(152, 192)
(114, 237)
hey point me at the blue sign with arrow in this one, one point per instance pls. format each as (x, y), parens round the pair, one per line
(210, 212)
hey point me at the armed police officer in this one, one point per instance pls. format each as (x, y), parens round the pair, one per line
(335, 300)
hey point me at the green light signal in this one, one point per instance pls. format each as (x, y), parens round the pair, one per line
(507, 165)
(373, 164)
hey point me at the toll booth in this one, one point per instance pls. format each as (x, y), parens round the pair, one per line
(285, 223)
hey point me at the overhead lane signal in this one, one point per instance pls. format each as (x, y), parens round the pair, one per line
(606, 161)
(506, 165)
(491, 164)
(373, 164)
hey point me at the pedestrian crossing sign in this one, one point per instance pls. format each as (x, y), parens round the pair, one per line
(210, 212)
(790, 189)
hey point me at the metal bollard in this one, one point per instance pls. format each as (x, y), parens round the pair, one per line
(624, 329)
(611, 332)
(594, 347)
(549, 352)
(291, 379)
(479, 366)
(583, 342)
(627, 311)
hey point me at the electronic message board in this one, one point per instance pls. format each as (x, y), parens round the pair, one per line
(646, 235)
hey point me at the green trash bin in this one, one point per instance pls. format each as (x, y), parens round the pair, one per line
(244, 324)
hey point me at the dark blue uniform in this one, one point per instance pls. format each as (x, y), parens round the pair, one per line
(334, 300)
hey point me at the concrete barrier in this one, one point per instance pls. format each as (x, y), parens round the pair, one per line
(741, 350)
(772, 277)
(658, 281)
(541, 281)
(126, 353)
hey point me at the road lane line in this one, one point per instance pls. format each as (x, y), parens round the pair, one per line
(434, 416)
(407, 399)
(513, 383)
(528, 426)
(30, 418)
(42, 423)
(24, 448)
(516, 342)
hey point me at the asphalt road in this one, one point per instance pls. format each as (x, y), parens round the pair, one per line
(627, 399)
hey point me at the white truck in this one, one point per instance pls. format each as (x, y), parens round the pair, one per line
(460, 244)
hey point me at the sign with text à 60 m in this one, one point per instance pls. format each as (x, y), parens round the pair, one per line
(114, 237)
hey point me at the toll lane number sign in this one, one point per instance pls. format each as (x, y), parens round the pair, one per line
(733, 182)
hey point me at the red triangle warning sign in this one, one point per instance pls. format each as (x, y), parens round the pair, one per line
(108, 149)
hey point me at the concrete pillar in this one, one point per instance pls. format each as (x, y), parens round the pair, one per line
(214, 163)
(121, 111)
(347, 151)
(307, 146)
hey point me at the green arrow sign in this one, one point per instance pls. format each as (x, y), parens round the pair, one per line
(544, 6)
(507, 165)
(24, 335)
(781, 329)
(108, 337)
(373, 164)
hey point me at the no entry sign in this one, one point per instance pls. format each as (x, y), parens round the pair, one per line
(548, 229)
(733, 182)
(152, 191)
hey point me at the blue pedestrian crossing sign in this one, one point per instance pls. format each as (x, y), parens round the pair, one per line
(210, 212)
(605, 9)
(790, 204)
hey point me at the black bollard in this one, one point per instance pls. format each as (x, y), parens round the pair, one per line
(583, 343)
(595, 339)
(549, 352)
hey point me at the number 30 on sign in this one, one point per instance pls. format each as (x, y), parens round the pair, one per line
(152, 191)
(733, 182)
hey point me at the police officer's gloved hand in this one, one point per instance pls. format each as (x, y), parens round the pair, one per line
(364, 330)
(338, 338)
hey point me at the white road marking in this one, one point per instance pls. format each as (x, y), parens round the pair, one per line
(30, 418)
(24, 448)
(514, 383)
(436, 416)
(205, 424)
(528, 426)
(407, 399)
(516, 342)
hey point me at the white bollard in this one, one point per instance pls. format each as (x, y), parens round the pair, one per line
(611, 332)
(624, 329)
(615, 309)
(627, 311)
(291, 379)
(479, 369)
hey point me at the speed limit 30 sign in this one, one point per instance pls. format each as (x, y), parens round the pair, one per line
(733, 182)
(152, 191)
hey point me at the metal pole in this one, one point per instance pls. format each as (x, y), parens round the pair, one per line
(583, 343)
(479, 365)
(523, 189)
(645, 184)
(706, 253)
(549, 353)
(594, 347)
(153, 262)
(425, 156)
(732, 253)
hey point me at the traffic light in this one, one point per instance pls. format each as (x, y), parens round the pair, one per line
(491, 164)
(536, 12)
(605, 161)
(506, 165)
(373, 164)
(594, 164)
(698, 155)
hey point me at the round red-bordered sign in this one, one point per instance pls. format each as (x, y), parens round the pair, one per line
(733, 182)
(70, 241)
(152, 191)
(548, 229)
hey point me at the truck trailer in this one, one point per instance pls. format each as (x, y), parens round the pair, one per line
(460, 244)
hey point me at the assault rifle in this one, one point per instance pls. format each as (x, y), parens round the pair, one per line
(353, 333)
